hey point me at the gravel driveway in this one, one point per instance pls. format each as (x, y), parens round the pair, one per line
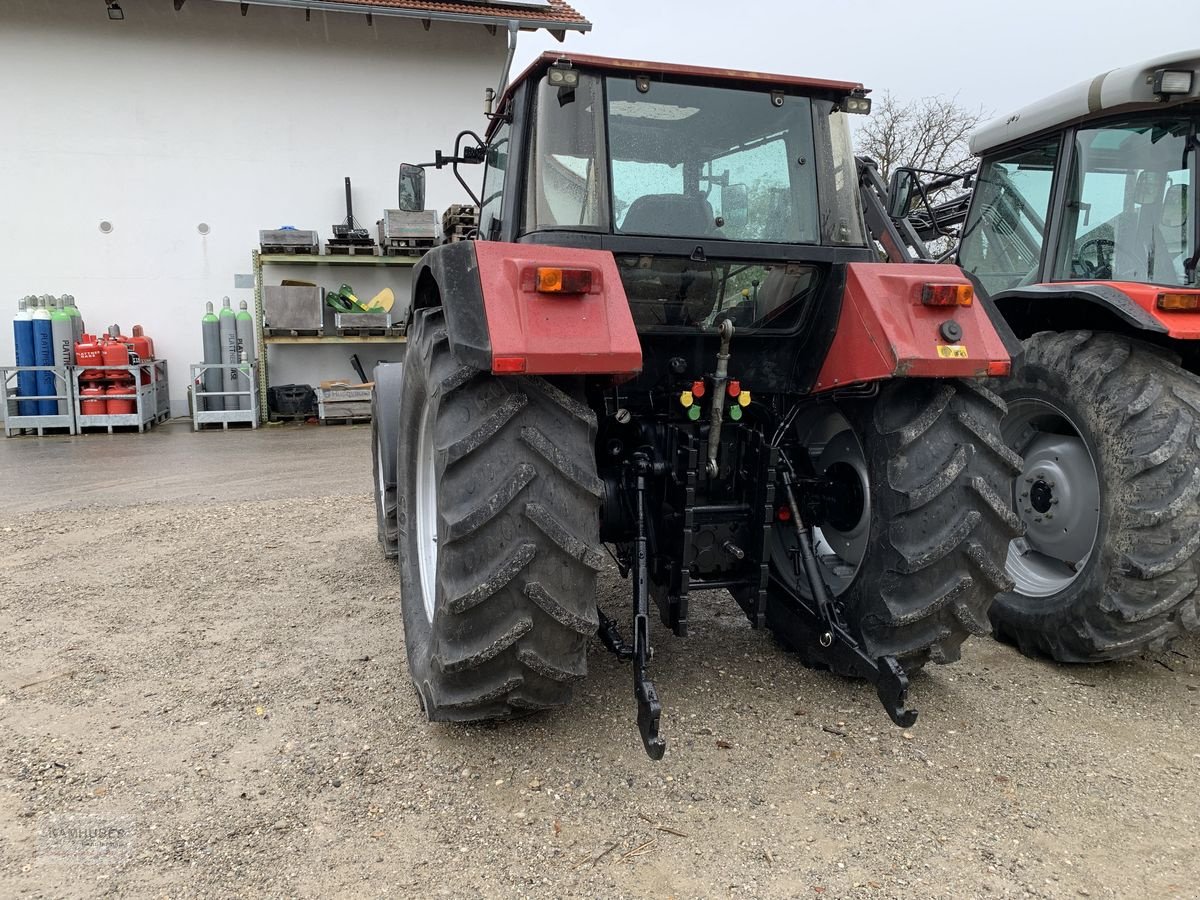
(203, 693)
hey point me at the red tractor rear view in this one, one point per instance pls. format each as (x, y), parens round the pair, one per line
(672, 342)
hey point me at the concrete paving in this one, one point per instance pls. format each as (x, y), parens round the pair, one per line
(173, 463)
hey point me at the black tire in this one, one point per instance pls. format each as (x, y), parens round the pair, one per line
(1139, 416)
(384, 418)
(938, 528)
(518, 534)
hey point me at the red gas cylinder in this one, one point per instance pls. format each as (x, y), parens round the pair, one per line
(143, 349)
(90, 406)
(121, 405)
(87, 353)
(115, 353)
(139, 338)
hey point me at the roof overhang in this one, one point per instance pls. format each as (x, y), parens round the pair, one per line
(1127, 89)
(527, 19)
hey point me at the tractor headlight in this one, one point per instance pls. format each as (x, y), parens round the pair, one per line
(1173, 81)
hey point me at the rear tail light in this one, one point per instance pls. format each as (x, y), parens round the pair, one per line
(563, 281)
(1179, 301)
(948, 295)
(1000, 367)
(507, 365)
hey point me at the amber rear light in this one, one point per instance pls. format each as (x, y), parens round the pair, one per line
(1179, 301)
(563, 281)
(948, 295)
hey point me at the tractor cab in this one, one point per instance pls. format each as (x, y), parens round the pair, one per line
(722, 195)
(1082, 189)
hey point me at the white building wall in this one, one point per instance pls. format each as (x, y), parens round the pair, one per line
(167, 120)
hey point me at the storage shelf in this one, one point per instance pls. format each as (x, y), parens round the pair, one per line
(335, 339)
(287, 259)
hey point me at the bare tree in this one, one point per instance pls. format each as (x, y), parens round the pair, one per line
(928, 133)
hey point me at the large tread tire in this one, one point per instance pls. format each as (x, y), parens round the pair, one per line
(518, 526)
(384, 418)
(1139, 414)
(940, 524)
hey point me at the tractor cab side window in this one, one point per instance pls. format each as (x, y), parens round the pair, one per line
(1004, 232)
(565, 187)
(493, 183)
(1128, 217)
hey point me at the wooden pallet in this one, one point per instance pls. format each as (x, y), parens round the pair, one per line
(293, 332)
(363, 332)
(333, 249)
(289, 250)
(461, 232)
(346, 420)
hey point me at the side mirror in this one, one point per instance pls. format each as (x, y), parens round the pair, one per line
(412, 188)
(735, 206)
(901, 191)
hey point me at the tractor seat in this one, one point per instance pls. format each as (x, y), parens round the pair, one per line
(669, 214)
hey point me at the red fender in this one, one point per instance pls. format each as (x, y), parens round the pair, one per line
(555, 334)
(885, 331)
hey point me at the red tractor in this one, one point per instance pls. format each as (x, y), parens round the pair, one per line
(672, 344)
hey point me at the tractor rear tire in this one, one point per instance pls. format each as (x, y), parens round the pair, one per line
(935, 471)
(1138, 416)
(499, 531)
(385, 398)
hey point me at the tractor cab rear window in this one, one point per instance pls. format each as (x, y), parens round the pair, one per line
(705, 162)
(668, 293)
(645, 157)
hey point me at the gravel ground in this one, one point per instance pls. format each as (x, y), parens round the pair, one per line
(203, 692)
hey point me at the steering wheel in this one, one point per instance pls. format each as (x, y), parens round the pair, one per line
(1101, 269)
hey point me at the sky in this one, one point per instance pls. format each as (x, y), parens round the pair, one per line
(996, 55)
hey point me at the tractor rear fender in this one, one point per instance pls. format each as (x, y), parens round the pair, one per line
(886, 330)
(1066, 306)
(498, 320)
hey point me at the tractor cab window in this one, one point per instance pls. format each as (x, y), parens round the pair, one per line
(1129, 216)
(493, 183)
(1003, 235)
(705, 162)
(565, 187)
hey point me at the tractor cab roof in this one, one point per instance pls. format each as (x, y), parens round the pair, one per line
(1128, 89)
(692, 74)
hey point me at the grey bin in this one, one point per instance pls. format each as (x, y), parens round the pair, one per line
(293, 308)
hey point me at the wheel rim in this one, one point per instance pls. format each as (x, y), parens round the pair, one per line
(1056, 497)
(427, 512)
(841, 541)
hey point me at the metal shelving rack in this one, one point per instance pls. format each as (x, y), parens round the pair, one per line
(259, 260)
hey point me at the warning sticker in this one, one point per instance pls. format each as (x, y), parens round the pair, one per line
(952, 351)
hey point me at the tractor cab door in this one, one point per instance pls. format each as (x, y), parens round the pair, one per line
(1005, 231)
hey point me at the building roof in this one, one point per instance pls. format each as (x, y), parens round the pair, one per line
(556, 16)
(1119, 90)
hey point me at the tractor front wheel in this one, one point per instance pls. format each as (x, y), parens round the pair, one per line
(1109, 429)
(499, 533)
(912, 531)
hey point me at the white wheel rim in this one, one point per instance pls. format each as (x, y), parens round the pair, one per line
(427, 512)
(1056, 496)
